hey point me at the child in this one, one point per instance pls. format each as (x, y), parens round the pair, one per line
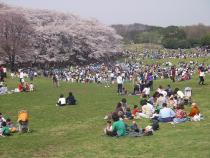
(23, 119)
(11, 126)
(128, 114)
(134, 127)
(108, 128)
(135, 111)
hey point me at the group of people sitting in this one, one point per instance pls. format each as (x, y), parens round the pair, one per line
(7, 127)
(166, 105)
(25, 87)
(70, 100)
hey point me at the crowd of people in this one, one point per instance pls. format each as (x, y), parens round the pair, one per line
(137, 73)
(165, 105)
(162, 53)
(127, 72)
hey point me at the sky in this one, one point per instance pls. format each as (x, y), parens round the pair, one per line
(151, 12)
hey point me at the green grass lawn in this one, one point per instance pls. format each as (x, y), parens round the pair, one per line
(77, 131)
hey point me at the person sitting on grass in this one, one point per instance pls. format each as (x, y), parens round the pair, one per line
(23, 120)
(128, 114)
(11, 126)
(26, 87)
(70, 100)
(5, 131)
(20, 87)
(194, 110)
(2, 119)
(147, 110)
(31, 87)
(146, 90)
(181, 115)
(135, 111)
(194, 113)
(118, 126)
(166, 114)
(119, 108)
(134, 127)
(124, 104)
(61, 101)
(108, 128)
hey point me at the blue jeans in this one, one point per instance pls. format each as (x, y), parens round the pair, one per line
(167, 119)
(179, 120)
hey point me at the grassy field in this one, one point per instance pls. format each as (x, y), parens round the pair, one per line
(76, 131)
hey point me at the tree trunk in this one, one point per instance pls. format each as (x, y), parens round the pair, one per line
(12, 62)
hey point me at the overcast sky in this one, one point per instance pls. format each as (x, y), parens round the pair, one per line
(152, 12)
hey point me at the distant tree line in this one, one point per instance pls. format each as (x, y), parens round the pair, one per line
(172, 37)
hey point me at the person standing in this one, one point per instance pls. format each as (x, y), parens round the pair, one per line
(201, 75)
(173, 73)
(119, 84)
(31, 75)
(1, 74)
(21, 76)
(4, 69)
(55, 80)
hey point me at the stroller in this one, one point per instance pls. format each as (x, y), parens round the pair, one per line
(23, 118)
(187, 95)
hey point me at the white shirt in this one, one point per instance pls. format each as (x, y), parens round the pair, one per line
(119, 80)
(31, 87)
(180, 94)
(148, 109)
(112, 75)
(202, 74)
(4, 70)
(21, 75)
(62, 101)
(146, 91)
